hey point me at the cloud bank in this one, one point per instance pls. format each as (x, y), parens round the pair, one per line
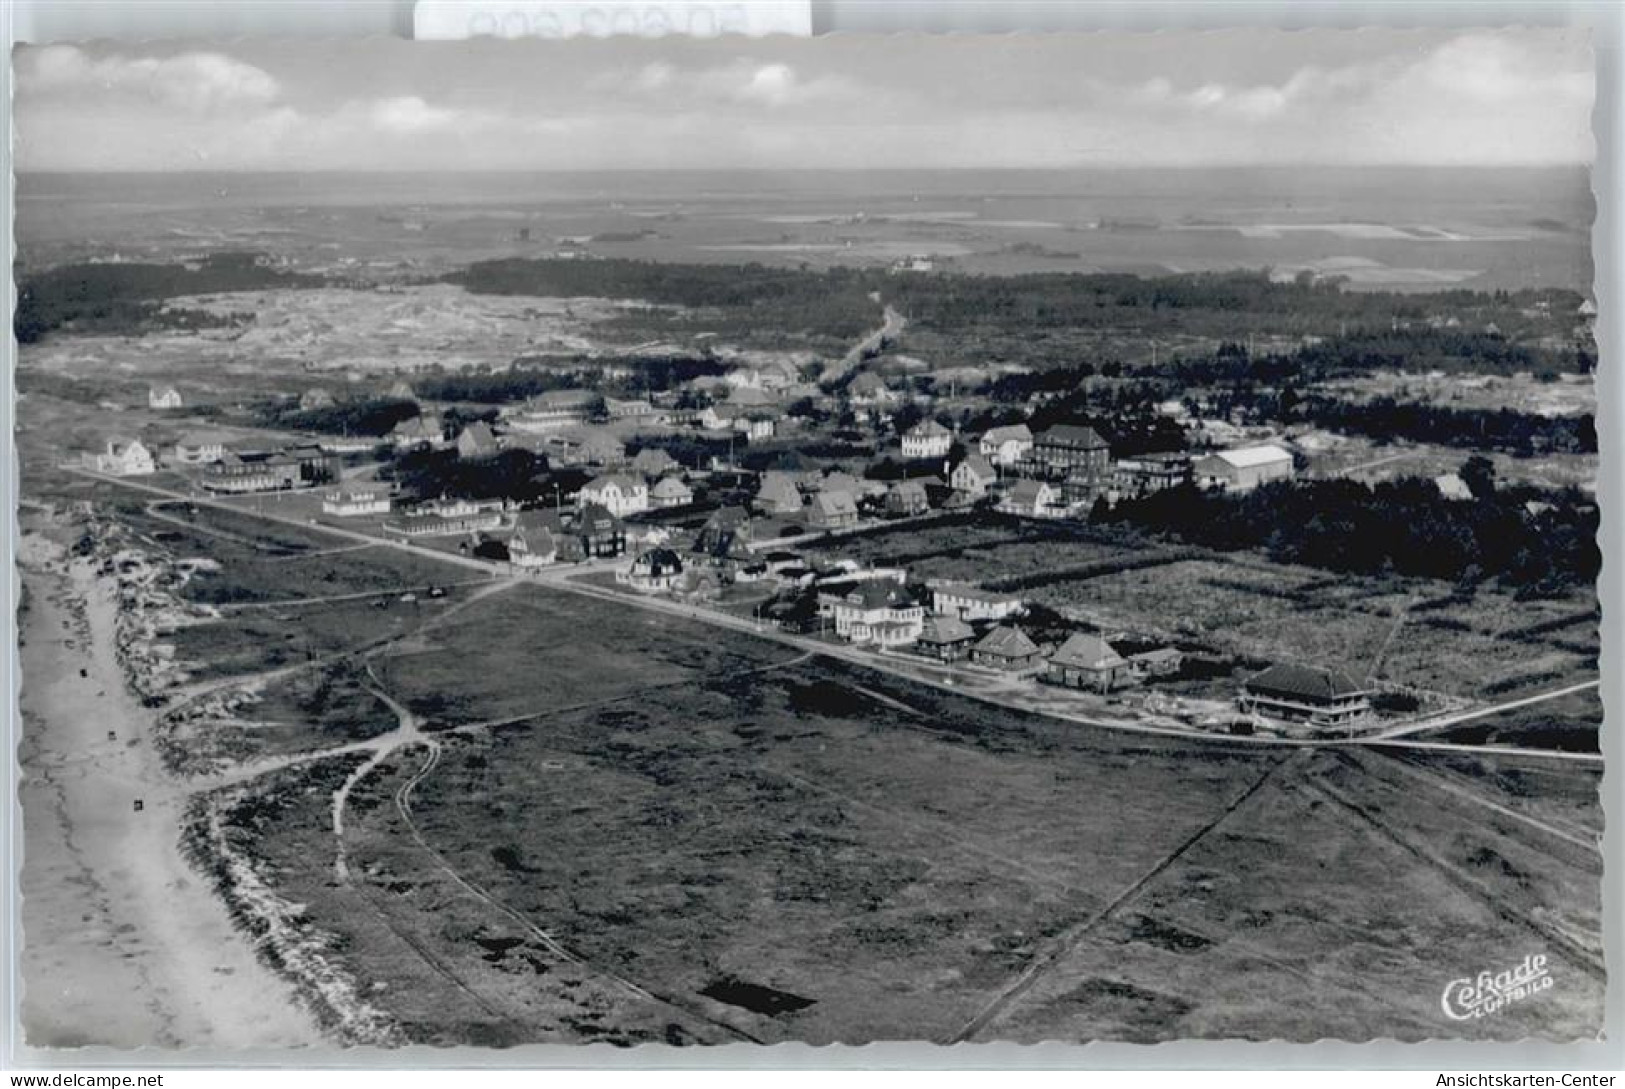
(1238, 98)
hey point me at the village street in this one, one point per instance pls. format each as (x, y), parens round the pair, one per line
(980, 685)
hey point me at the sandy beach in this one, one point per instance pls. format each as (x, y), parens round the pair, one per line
(125, 945)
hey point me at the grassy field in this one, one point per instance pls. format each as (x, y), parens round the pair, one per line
(542, 652)
(292, 565)
(627, 827)
(776, 848)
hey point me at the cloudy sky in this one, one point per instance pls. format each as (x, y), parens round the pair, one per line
(1244, 97)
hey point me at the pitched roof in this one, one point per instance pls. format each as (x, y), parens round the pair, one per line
(835, 502)
(946, 629)
(1247, 457)
(839, 481)
(1086, 651)
(908, 488)
(565, 398)
(424, 427)
(537, 539)
(652, 459)
(928, 429)
(881, 594)
(977, 465)
(595, 518)
(1027, 492)
(1309, 682)
(749, 396)
(1452, 486)
(659, 561)
(1007, 641)
(1008, 433)
(601, 441)
(777, 487)
(1073, 435)
(670, 487)
(618, 480)
(479, 435)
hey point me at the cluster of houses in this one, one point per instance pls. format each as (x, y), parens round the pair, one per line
(616, 515)
(1064, 469)
(225, 468)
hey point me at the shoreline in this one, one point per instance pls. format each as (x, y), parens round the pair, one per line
(125, 944)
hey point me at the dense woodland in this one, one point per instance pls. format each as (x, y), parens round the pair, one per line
(127, 299)
(529, 378)
(1540, 541)
(373, 416)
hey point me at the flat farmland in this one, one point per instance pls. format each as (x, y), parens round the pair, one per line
(1476, 643)
(1483, 643)
(985, 549)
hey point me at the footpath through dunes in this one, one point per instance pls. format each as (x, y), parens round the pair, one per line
(124, 944)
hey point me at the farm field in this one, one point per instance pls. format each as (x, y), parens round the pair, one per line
(981, 548)
(787, 848)
(1481, 643)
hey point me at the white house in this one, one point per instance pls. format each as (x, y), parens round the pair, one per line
(533, 544)
(670, 491)
(876, 611)
(165, 397)
(658, 569)
(418, 431)
(973, 476)
(1243, 469)
(617, 493)
(973, 602)
(1032, 499)
(124, 457)
(927, 439)
(200, 448)
(555, 410)
(1007, 445)
(353, 504)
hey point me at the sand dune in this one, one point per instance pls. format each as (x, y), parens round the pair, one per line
(124, 944)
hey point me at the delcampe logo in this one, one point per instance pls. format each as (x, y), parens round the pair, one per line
(1486, 993)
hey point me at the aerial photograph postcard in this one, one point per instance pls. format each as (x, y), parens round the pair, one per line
(945, 539)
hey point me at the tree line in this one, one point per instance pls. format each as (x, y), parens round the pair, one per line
(127, 298)
(1538, 540)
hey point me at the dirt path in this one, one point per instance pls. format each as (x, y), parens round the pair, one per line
(1068, 941)
(124, 944)
(567, 578)
(1480, 712)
